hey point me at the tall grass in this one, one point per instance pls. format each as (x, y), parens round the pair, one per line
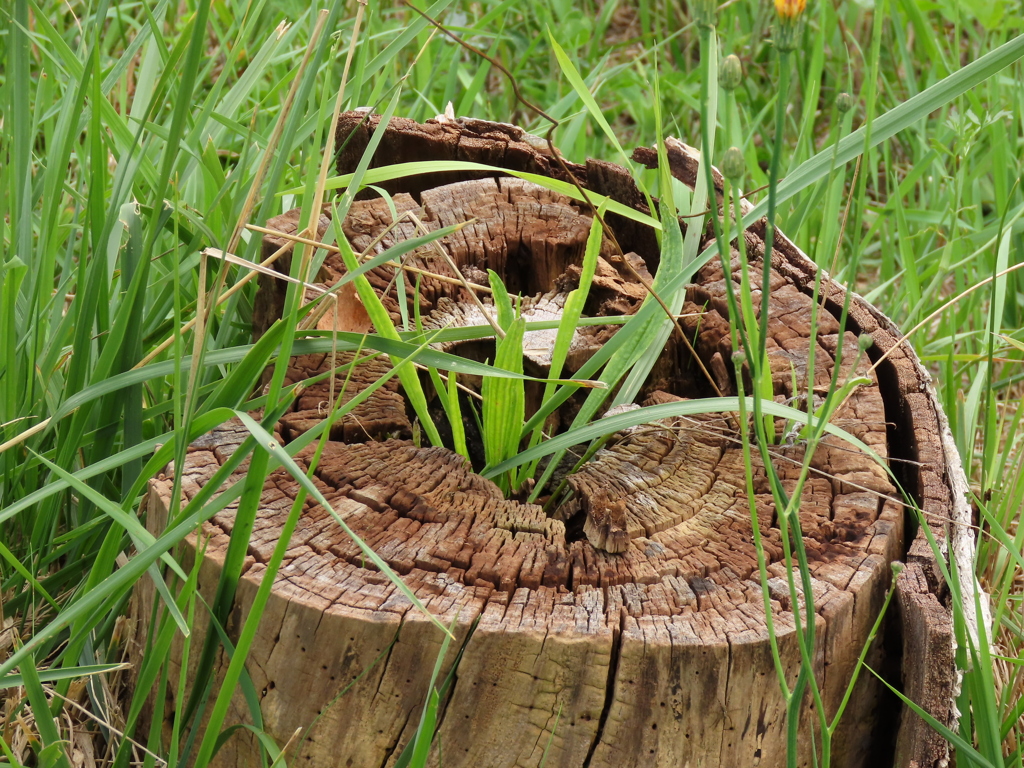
(137, 135)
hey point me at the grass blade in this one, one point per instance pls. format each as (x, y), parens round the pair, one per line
(504, 401)
(645, 415)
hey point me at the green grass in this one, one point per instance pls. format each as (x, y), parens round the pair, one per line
(137, 134)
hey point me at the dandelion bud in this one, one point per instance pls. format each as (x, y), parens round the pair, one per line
(733, 164)
(865, 342)
(845, 102)
(731, 73)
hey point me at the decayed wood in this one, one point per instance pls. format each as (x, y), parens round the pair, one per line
(628, 627)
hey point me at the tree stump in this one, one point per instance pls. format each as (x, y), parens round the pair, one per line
(627, 628)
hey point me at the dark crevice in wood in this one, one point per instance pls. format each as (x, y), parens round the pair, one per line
(900, 435)
(470, 424)
(390, 751)
(574, 528)
(882, 748)
(677, 373)
(442, 710)
(609, 691)
(728, 673)
(902, 443)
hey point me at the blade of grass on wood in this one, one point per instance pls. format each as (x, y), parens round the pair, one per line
(645, 415)
(401, 170)
(504, 401)
(383, 325)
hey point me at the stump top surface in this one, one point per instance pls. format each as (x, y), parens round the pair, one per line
(661, 513)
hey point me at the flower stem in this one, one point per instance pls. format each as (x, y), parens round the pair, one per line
(773, 186)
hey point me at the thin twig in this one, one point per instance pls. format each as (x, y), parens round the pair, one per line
(295, 238)
(469, 391)
(675, 322)
(241, 283)
(902, 340)
(744, 196)
(406, 267)
(842, 226)
(446, 279)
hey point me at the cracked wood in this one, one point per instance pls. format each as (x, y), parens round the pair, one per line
(628, 627)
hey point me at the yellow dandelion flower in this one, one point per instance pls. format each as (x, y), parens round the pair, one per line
(790, 9)
(787, 29)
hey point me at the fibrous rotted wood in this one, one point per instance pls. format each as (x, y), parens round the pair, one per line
(380, 416)
(629, 628)
(915, 418)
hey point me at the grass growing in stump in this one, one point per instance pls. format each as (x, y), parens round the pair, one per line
(139, 138)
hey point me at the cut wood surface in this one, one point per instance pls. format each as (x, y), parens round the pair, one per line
(627, 627)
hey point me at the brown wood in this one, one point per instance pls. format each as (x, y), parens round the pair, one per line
(627, 628)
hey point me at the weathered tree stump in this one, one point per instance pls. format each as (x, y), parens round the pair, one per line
(627, 628)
